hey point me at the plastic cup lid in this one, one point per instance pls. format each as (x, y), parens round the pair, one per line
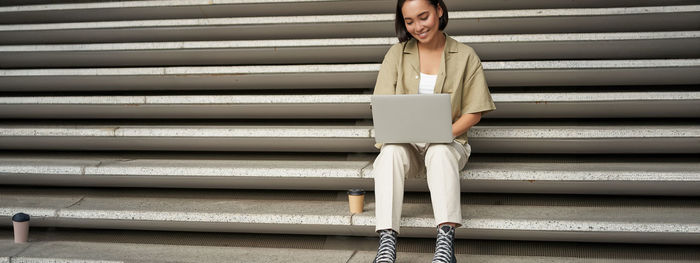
(20, 217)
(356, 192)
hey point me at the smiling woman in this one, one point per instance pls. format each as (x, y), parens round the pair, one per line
(430, 14)
(427, 61)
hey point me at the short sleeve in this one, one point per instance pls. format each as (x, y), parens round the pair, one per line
(388, 73)
(475, 93)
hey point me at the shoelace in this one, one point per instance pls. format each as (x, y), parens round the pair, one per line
(444, 246)
(387, 247)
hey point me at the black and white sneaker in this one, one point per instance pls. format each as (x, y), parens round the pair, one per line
(445, 245)
(386, 253)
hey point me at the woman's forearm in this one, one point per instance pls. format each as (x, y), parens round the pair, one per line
(466, 121)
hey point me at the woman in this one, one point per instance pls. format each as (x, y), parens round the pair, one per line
(427, 61)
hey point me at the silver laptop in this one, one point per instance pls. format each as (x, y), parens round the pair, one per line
(415, 118)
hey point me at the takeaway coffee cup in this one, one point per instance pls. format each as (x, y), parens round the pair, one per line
(356, 199)
(20, 223)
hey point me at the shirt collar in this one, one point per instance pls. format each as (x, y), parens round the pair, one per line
(411, 49)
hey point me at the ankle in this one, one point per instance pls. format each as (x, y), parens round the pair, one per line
(453, 225)
(385, 230)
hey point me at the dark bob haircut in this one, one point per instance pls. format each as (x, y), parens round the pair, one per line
(402, 32)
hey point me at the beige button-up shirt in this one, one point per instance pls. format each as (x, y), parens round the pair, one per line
(460, 75)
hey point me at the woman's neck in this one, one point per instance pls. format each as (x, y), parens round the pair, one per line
(436, 44)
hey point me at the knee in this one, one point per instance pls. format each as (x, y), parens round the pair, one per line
(394, 149)
(441, 150)
(392, 153)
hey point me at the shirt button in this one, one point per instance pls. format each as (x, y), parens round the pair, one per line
(416, 76)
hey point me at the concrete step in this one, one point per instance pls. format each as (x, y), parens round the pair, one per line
(60, 11)
(59, 251)
(495, 137)
(677, 104)
(60, 245)
(347, 76)
(632, 45)
(508, 174)
(304, 138)
(580, 20)
(171, 9)
(596, 105)
(659, 220)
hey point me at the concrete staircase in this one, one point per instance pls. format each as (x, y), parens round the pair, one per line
(227, 131)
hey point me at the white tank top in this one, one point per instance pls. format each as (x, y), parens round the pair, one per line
(427, 84)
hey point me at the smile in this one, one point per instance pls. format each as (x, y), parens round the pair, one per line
(423, 35)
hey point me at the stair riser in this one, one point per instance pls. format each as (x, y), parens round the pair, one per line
(535, 109)
(329, 229)
(378, 27)
(669, 188)
(549, 50)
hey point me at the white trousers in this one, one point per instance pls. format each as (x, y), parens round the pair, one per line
(441, 162)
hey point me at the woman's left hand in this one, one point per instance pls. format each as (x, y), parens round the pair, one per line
(466, 121)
